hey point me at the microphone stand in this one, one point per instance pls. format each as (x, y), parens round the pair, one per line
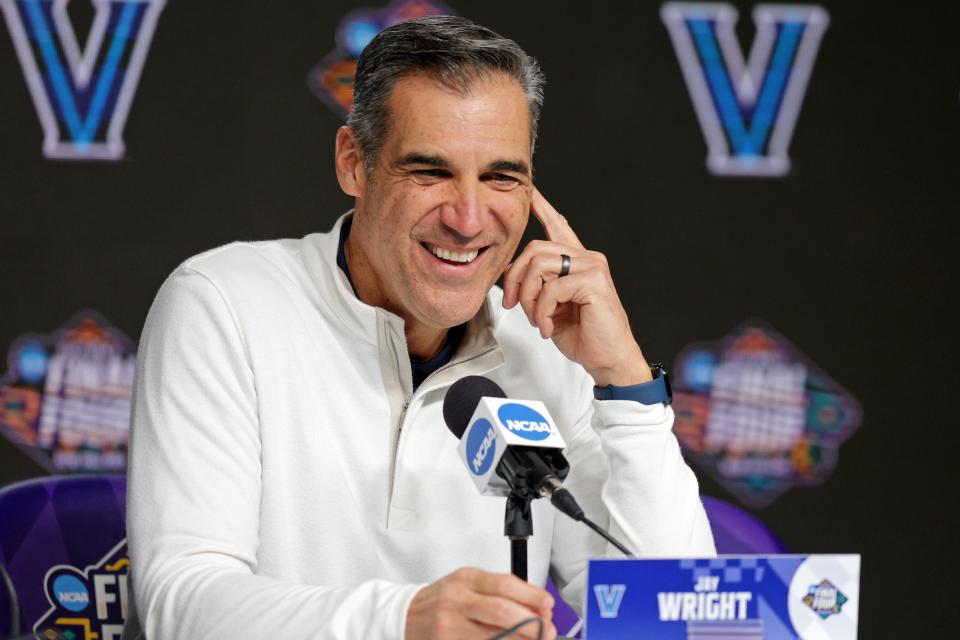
(525, 473)
(518, 526)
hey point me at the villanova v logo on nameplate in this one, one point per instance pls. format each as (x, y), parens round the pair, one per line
(747, 109)
(82, 97)
(609, 598)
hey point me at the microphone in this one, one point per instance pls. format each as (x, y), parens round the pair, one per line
(508, 446)
(512, 447)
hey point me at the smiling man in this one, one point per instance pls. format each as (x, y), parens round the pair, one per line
(291, 474)
(442, 204)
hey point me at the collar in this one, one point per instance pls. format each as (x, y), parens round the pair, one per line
(319, 252)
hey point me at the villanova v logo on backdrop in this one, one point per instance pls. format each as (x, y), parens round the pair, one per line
(747, 110)
(82, 97)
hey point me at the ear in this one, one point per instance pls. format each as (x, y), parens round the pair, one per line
(351, 173)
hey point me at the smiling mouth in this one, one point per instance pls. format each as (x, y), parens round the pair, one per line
(453, 257)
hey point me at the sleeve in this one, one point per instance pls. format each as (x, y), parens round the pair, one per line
(629, 476)
(195, 486)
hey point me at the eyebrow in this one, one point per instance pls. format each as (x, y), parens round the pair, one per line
(420, 158)
(516, 166)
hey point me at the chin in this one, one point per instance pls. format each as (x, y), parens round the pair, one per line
(451, 308)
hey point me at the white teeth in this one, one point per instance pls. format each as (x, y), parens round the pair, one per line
(454, 256)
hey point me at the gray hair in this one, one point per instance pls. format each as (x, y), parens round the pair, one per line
(453, 50)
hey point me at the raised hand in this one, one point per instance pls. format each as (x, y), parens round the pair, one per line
(581, 311)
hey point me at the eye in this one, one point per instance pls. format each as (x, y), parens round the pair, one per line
(502, 180)
(429, 177)
(432, 173)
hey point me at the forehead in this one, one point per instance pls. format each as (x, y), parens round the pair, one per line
(492, 117)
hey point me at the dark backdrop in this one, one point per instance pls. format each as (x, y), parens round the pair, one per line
(849, 256)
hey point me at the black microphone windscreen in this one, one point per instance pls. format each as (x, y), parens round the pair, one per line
(462, 399)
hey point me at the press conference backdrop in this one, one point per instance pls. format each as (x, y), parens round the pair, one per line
(775, 187)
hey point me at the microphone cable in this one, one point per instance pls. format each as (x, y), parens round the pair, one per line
(609, 538)
(563, 500)
(512, 630)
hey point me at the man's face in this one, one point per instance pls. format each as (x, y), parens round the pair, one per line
(441, 214)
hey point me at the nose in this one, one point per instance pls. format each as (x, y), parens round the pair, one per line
(465, 215)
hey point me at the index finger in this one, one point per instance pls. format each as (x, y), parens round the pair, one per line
(512, 587)
(554, 224)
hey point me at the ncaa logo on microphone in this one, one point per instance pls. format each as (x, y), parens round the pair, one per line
(481, 447)
(524, 421)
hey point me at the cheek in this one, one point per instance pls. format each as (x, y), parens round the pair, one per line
(397, 215)
(422, 208)
(513, 210)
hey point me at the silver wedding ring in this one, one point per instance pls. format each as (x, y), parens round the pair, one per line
(564, 264)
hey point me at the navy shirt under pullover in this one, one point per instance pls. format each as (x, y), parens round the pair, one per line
(420, 368)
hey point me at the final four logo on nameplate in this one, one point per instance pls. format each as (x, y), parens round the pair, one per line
(82, 97)
(747, 109)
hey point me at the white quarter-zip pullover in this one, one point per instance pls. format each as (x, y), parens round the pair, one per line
(285, 480)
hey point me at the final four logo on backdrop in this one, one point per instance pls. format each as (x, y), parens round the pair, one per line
(65, 398)
(83, 96)
(758, 415)
(747, 109)
(332, 79)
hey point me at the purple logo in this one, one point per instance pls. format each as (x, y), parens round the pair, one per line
(87, 604)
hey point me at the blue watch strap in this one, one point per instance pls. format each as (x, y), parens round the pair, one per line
(656, 391)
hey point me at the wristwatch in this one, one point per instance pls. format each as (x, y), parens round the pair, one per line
(654, 392)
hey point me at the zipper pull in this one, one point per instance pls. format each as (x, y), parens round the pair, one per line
(403, 414)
